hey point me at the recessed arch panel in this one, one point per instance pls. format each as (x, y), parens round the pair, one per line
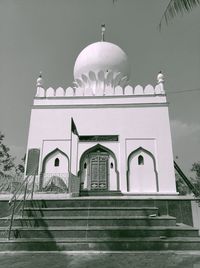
(55, 163)
(142, 176)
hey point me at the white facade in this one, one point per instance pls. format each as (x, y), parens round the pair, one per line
(124, 132)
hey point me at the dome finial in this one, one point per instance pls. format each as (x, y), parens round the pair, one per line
(103, 29)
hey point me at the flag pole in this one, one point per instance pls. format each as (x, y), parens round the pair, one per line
(72, 144)
(70, 162)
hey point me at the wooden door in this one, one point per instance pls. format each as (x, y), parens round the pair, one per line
(98, 172)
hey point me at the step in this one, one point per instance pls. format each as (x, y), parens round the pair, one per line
(90, 202)
(101, 244)
(100, 232)
(93, 221)
(100, 193)
(90, 211)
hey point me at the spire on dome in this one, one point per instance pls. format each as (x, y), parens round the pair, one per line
(103, 29)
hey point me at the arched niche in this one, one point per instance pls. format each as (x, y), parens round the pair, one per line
(86, 166)
(140, 160)
(55, 164)
(142, 176)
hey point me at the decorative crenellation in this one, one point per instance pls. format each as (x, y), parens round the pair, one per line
(117, 91)
(101, 88)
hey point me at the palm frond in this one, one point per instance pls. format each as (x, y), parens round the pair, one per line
(176, 7)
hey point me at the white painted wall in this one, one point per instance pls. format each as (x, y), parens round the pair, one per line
(112, 175)
(138, 120)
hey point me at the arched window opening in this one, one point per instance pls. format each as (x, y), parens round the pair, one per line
(140, 160)
(111, 165)
(85, 165)
(57, 162)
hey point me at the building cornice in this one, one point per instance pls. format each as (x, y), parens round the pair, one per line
(95, 106)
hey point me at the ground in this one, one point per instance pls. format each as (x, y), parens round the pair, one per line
(181, 259)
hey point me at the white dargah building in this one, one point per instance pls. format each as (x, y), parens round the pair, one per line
(112, 136)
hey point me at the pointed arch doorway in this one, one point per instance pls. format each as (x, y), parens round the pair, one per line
(98, 170)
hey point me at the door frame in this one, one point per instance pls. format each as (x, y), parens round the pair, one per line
(93, 149)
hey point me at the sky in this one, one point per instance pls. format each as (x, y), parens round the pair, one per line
(48, 35)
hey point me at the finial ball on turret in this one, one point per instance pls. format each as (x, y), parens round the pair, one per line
(40, 80)
(160, 77)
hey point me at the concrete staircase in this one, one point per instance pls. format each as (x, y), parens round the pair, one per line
(96, 224)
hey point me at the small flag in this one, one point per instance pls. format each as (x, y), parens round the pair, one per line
(73, 127)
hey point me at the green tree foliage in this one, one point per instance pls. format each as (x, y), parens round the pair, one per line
(196, 171)
(11, 174)
(181, 186)
(7, 165)
(176, 7)
(20, 168)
